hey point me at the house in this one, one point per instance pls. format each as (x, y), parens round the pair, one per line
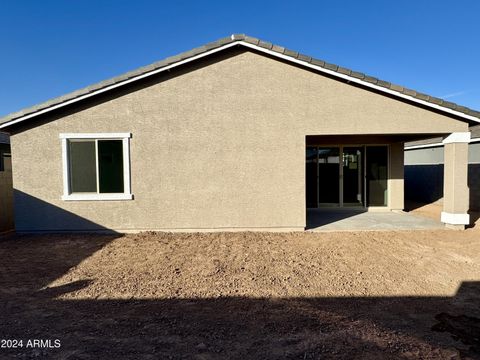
(424, 170)
(238, 134)
(6, 189)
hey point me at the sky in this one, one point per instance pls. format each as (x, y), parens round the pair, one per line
(49, 48)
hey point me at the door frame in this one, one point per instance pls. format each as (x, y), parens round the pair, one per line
(340, 204)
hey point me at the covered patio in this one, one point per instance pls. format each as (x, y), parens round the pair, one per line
(329, 219)
(356, 182)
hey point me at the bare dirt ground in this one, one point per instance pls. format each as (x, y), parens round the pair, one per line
(369, 295)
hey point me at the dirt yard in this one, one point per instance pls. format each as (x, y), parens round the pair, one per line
(370, 295)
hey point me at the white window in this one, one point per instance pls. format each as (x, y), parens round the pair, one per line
(96, 166)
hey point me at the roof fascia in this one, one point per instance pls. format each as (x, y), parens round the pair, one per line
(438, 144)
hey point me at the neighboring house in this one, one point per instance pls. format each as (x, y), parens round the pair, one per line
(6, 188)
(424, 170)
(238, 134)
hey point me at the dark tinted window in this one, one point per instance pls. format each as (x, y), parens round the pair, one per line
(110, 166)
(83, 172)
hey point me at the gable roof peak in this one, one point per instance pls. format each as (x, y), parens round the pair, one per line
(472, 116)
(237, 37)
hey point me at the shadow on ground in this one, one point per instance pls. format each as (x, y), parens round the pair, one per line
(217, 328)
(474, 219)
(320, 217)
(435, 210)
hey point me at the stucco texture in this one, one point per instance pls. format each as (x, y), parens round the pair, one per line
(217, 145)
(455, 188)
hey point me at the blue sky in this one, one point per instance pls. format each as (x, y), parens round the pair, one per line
(49, 48)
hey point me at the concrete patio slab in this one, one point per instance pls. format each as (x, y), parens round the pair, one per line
(354, 220)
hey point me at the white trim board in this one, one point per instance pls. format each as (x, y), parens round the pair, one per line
(457, 137)
(96, 197)
(455, 219)
(257, 48)
(413, 147)
(95, 136)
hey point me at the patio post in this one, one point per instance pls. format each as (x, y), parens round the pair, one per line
(455, 181)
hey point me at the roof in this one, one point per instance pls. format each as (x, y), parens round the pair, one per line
(253, 43)
(4, 138)
(437, 141)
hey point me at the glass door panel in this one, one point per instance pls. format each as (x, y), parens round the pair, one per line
(377, 175)
(329, 176)
(352, 176)
(311, 177)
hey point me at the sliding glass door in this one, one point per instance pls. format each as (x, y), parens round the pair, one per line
(347, 176)
(328, 176)
(311, 175)
(352, 176)
(377, 175)
(322, 176)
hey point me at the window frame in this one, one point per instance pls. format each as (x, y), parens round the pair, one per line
(68, 195)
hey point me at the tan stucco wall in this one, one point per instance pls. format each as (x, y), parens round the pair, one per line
(456, 194)
(219, 147)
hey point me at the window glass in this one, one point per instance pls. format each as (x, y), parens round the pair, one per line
(329, 175)
(311, 177)
(110, 166)
(83, 173)
(377, 175)
(352, 176)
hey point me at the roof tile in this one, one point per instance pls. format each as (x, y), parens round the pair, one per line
(331, 66)
(396, 87)
(344, 71)
(304, 57)
(409, 92)
(371, 79)
(358, 75)
(423, 97)
(290, 53)
(463, 109)
(436, 100)
(252, 40)
(191, 53)
(450, 105)
(318, 62)
(384, 84)
(265, 44)
(237, 37)
(278, 49)
(217, 43)
(174, 59)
